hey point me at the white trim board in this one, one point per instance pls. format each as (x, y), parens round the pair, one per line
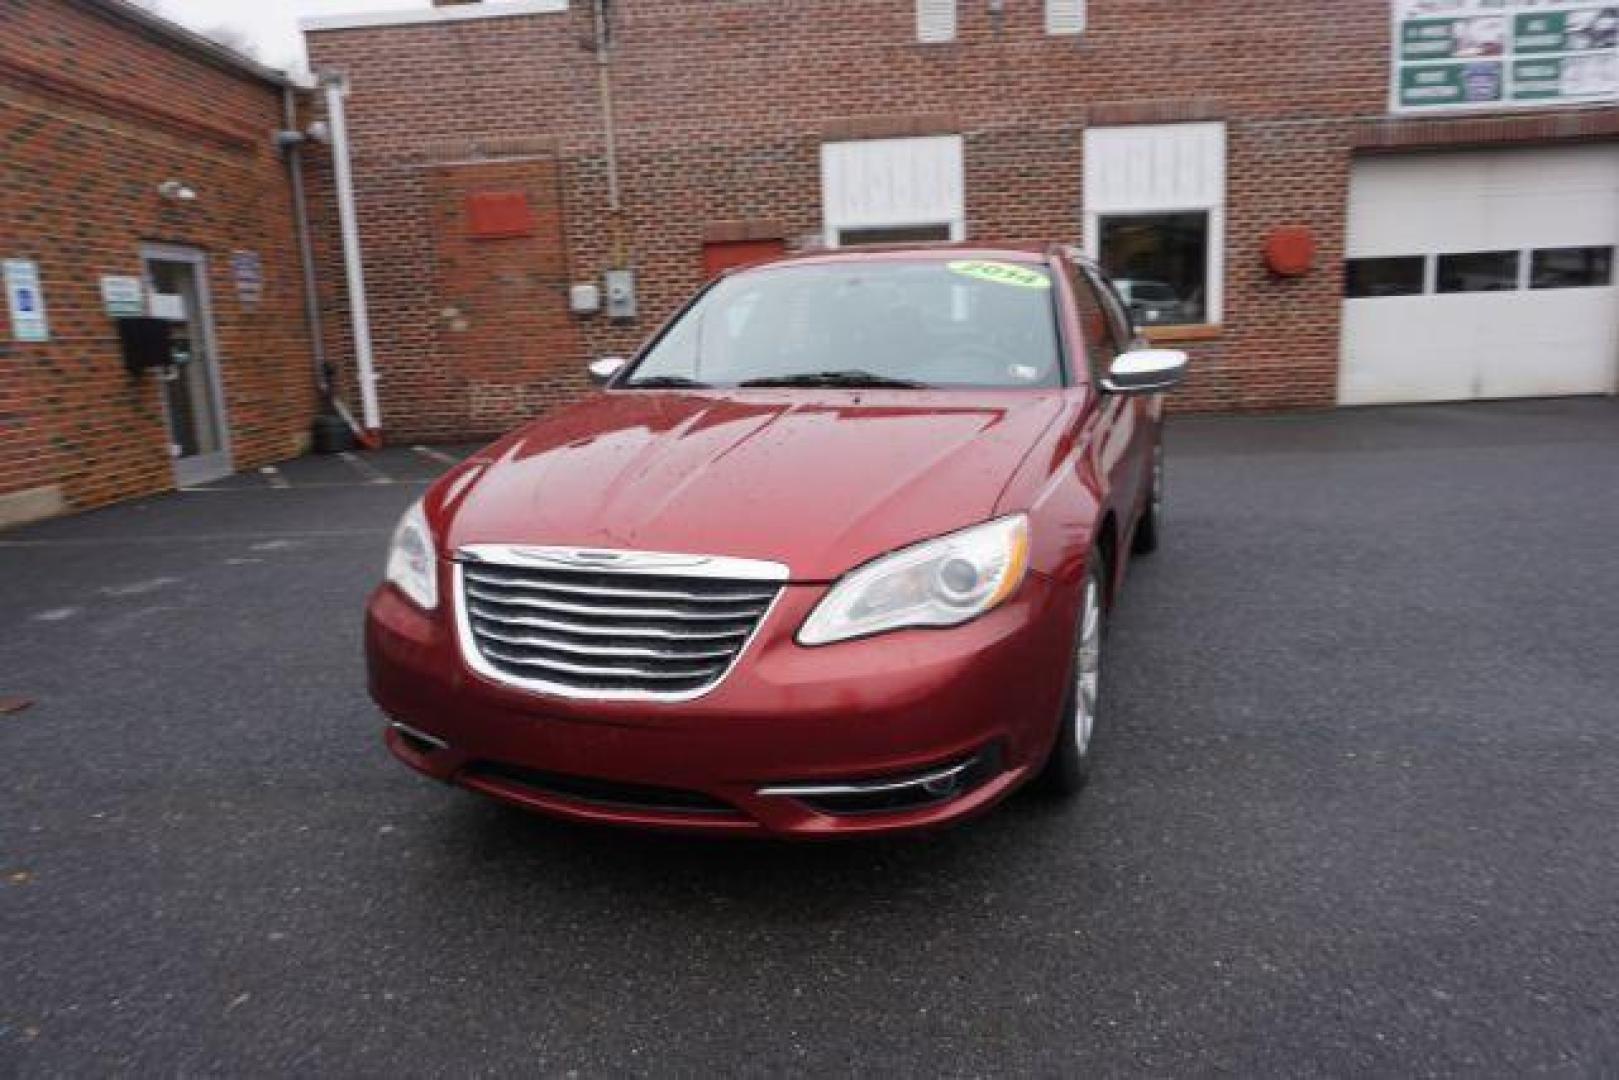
(490, 9)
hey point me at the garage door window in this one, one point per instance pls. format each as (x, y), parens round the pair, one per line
(1400, 276)
(1571, 268)
(1155, 217)
(1478, 271)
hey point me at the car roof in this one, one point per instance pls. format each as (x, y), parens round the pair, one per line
(1040, 253)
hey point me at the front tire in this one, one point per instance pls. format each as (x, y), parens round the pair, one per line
(1152, 518)
(1068, 768)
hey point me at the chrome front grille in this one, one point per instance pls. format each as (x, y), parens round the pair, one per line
(609, 624)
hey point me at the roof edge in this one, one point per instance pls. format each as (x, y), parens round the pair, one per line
(489, 9)
(199, 45)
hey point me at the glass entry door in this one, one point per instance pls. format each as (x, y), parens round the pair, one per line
(177, 283)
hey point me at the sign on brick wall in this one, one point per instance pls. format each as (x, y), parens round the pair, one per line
(25, 299)
(1500, 54)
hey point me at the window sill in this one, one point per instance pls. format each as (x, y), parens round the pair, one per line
(1191, 332)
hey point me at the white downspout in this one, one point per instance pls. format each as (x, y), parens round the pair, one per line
(355, 271)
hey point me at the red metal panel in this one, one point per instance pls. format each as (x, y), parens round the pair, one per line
(496, 215)
(726, 254)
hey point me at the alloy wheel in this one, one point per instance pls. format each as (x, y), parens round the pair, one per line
(1088, 667)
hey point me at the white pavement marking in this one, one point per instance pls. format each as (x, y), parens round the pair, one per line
(56, 614)
(140, 588)
(273, 475)
(437, 455)
(300, 486)
(192, 538)
(372, 474)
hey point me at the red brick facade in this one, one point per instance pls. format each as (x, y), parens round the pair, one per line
(722, 108)
(482, 186)
(97, 109)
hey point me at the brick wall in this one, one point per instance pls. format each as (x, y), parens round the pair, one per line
(723, 104)
(95, 112)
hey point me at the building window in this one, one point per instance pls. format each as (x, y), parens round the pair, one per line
(914, 234)
(1478, 271)
(1402, 275)
(1571, 268)
(884, 191)
(1065, 16)
(1159, 263)
(935, 21)
(1155, 218)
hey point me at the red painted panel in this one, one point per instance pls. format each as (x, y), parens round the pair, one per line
(724, 255)
(496, 215)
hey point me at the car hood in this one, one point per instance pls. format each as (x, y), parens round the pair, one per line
(819, 480)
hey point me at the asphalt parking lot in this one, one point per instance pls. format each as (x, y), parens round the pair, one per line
(1357, 812)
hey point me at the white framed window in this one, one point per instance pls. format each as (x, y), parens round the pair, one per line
(884, 191)
(1065, 17)
(935, 20)
(1154, 199)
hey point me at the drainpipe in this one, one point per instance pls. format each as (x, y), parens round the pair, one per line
(291, 140)
(355, 272)
(604, 79)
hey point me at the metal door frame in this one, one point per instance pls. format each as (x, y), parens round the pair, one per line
(188, 472)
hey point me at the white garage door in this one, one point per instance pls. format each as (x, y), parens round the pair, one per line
(1482, 274)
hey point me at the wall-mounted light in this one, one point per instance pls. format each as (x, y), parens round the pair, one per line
(175, 191)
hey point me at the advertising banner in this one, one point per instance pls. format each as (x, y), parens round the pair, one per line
(1494, 54)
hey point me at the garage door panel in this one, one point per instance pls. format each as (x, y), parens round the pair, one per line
(1515, 343)
(1544, 345)
(1395, 360)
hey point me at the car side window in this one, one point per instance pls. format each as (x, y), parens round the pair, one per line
(1097, 326)
(1124, 330)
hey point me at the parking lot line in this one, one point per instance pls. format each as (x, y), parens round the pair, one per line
(437, 455)
(372, 474)
(193, 538)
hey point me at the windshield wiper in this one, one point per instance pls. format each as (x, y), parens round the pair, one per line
(836, 378)
(655, 382)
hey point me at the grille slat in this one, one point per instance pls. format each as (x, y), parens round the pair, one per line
(487, 629)
(534, 659)
(598, 630)
(575, 607)
(502, 577)
(623, 633)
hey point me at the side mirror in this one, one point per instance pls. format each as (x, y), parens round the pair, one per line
(1146, 371)
(603, 370)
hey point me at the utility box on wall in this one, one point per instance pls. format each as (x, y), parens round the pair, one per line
(147, 343)
(620, 294)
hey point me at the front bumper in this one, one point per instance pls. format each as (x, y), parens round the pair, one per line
(755, 754)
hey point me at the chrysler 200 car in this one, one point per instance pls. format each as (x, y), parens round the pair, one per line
(833, 554)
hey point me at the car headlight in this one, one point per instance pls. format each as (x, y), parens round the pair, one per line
(943, 582)
(411, 565)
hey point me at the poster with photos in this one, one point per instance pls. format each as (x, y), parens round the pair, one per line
(1502, 54)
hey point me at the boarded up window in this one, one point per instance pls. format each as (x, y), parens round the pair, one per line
(1065, 16)
(935, 20)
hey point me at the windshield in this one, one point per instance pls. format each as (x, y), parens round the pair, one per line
(965, 323)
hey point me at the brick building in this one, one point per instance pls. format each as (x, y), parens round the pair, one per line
(139, 175)
(1419, 153)
(1189, 146)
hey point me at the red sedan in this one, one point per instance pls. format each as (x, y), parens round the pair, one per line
(832, 555)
